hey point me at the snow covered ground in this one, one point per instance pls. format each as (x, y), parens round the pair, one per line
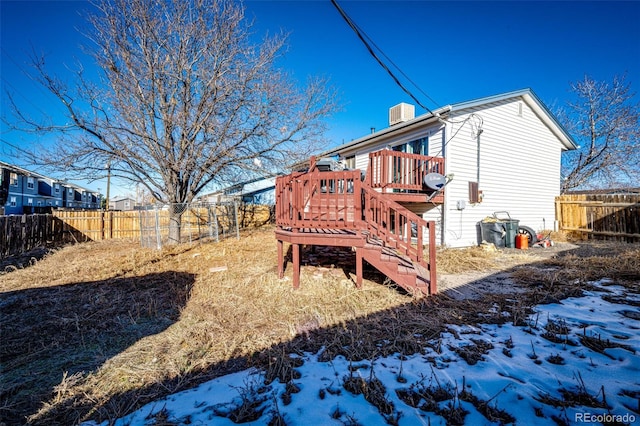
(573, 362)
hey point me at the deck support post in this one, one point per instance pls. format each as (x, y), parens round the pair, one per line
(433, 288)
(280, 259)
(296, 265)
(359, 267)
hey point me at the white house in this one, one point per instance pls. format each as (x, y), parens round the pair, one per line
(501, 154)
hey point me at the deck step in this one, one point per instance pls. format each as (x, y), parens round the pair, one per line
(399, 268)
(404, 270)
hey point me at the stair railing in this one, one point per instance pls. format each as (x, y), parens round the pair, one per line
(397, 226)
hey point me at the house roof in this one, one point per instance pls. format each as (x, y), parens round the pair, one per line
(120, 198)
(40, 176)
(527, 95)
(248, 187)
(532, 100)
(24, 172)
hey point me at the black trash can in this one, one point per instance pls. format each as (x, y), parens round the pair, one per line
(492, 232)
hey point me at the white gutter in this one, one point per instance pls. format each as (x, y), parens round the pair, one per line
(398, 128)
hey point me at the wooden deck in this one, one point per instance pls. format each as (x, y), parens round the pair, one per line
(338, 208)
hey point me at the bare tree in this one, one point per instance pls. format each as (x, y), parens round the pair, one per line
(184, 100)
(605, 122)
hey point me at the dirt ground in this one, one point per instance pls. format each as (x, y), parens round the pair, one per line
(498, 280)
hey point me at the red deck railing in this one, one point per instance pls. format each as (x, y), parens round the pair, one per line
(339, 200)
(398, 170)
(319, 200)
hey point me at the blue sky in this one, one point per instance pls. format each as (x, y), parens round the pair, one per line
(454, 51)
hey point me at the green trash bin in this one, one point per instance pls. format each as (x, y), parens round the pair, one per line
(511, 230)
(510, 227)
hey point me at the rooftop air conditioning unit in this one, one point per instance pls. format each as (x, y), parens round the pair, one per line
(401, 113)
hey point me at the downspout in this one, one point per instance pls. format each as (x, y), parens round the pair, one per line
(443, 227)
(478, 158)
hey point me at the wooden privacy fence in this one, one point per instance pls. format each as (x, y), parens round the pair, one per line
(598, 216)
(21, 233)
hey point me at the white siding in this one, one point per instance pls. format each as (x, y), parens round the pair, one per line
(519, 169)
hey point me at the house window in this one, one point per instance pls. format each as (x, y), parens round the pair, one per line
(13, 202)
(418, 146)
(39, 203)
(70, 191)
(13, 179)
(350, 162)
(56, 188)
(57, 202)
(30, 182)
(126, 204)
(30, 201)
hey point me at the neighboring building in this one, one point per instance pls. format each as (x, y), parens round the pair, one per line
(501, 153)
(25, 192)
(122, 203)
(256, 191)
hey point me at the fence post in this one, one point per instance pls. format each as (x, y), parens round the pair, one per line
(23, 233)
(158, 236)
(142, 228)
(209, 221)
(102, 225)
(110, 225)
(235, 211)
(215, 219)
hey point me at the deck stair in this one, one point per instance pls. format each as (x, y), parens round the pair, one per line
(400, 269)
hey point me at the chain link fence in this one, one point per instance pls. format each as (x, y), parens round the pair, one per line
(163, 224)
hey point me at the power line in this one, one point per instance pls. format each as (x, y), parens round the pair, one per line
(363, 37)
(397, 67)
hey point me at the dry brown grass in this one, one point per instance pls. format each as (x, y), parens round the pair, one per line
(97, 320)
(455, 261)
(97, 329)
(482, 258)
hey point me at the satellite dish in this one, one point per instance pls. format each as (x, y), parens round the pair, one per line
(435, 181)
